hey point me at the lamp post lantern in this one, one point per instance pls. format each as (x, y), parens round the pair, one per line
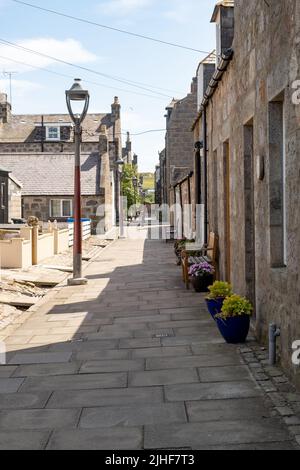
(77, 94)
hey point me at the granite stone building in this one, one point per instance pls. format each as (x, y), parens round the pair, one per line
(39, 151)
(248, 128)
(179, 151)
(10, 197)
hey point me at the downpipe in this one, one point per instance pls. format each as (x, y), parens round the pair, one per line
(274, 333)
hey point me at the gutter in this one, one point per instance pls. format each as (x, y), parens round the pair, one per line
(226, 58)
(187, 177)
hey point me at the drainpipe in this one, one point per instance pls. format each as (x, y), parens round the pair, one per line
(204, 116)
(274, 333)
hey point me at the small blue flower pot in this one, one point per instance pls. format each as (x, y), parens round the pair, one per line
(214, 306)
(234, 329)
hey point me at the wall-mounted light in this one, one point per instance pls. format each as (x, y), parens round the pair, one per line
(198, 145)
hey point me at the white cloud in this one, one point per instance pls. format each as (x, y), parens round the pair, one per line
(68, 50)
(19, 87)
(122, 7)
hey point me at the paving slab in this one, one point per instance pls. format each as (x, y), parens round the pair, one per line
(143, 319)
(10, 385)
(110, 397)
(20, 440)
(38, 419)
(74, 382)
(103, 354)
(39, 358)
(224, 374)
(161, 352)
(7, 371)
(163, 377)
(254, 446)
(197, 435)
(191, 340)
(24, 400)
(79, 346)
(92, 367)
(212, 391)
(139, 343)
(227, 410)
(137, 415)
(193, 361)
(97, 439)
(40, 370)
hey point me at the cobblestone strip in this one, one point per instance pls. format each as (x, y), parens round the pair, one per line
(278, 390)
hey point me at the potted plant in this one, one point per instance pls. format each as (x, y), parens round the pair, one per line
(234, 319)
(217, 294)
(202, 276)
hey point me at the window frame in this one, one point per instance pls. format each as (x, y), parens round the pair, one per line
(70, 201)
(55, 139)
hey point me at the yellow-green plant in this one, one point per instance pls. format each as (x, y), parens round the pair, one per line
(220, 290)
(235, 306)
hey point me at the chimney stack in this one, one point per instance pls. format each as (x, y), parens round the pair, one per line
(116, 109)
(5, 109)
(223, 16)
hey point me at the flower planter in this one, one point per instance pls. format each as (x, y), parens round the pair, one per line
(202, 283)
(214, 306)
(234, 329)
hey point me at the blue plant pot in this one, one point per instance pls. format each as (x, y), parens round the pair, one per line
(214, 306)
(234, 329)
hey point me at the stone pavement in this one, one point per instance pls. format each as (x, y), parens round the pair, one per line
(130, 361)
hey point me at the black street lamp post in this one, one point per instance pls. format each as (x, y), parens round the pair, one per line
(119, 165)
(77, 94)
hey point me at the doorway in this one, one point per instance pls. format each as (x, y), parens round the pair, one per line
(3, 198)
(227, 212)
(250, 264)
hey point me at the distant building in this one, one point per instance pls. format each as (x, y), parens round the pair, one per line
(39, 151)
(10, 197)
(157, 185)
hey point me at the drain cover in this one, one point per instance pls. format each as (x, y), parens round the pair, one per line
(164, 335)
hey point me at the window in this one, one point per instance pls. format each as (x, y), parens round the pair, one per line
(277, 178)
(61, 208)
(3, 196)
(53, 133)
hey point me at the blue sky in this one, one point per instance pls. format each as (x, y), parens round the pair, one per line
(182, 21)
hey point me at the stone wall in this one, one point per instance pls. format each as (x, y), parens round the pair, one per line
(14, 200)
(48, 147)
(179, 138)
(265, 64)
(40, 207)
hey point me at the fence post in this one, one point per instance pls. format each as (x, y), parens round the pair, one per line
(35, 241)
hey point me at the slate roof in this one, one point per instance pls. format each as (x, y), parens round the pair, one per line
(44, 174)
(21, 128)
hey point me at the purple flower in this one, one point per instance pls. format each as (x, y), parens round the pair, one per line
(201, 269)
